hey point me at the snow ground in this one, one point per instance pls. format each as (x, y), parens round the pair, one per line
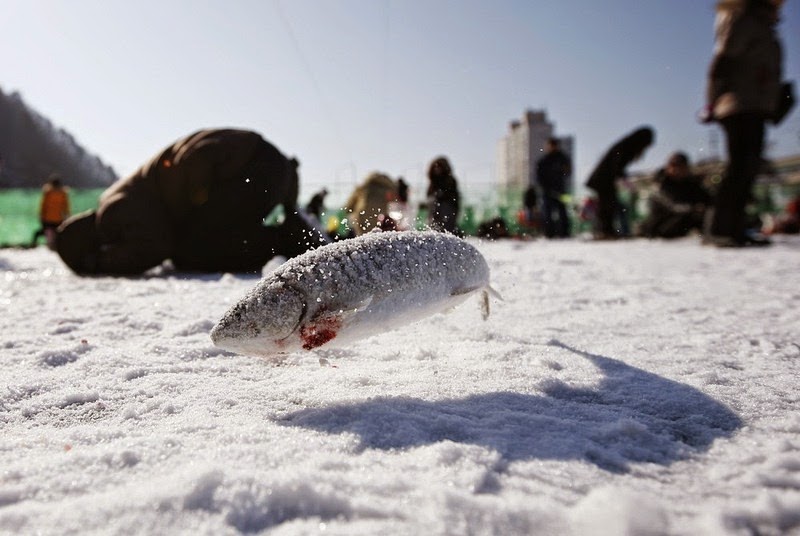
(636, 387)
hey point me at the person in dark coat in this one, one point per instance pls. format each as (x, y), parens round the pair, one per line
(493, 229)
(443, 197)
(680, 203)
(530, 204)
(611, 167)
(743, 93)
(402, 190)
(552, 175)
(316, 206)
(201, 203)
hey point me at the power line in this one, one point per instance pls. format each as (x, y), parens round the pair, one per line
(315, 85)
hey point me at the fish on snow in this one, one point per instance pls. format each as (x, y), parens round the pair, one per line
(353, 289)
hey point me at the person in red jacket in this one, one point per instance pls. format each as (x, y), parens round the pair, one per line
(53, 210)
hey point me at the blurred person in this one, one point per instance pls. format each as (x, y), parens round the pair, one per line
(402, 190)
(201, 203)
(493, 229)
(530, 216)
(612, 167)
(743, 93)
(789, 221)
(400, 210)
(443, 197)
(680, 203)
(370, 200)
(316, 206)
(53, 210)
(552, 176)
(587, 213)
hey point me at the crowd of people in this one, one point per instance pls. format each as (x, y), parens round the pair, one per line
(203, 201)
(745, 92)
(382, 202)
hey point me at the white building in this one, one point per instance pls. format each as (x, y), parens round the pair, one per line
(523, 146)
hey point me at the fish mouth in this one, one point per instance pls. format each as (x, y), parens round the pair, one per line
(222, 338)
(266, 318)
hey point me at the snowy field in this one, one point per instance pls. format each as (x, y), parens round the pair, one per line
(636, 387)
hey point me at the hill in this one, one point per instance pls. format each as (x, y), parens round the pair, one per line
(32, 148)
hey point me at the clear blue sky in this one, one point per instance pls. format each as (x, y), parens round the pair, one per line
(352, 86)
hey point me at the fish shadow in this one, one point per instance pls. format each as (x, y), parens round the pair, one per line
(630, 416)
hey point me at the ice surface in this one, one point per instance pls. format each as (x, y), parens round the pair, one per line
(634, 387)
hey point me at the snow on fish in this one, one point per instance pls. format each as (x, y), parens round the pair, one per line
(353, 289)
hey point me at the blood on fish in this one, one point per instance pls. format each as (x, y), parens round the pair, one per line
(320, 331)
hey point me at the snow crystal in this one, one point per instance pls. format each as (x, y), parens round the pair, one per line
(632, 387)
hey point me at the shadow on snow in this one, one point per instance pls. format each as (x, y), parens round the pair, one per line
(630, 416)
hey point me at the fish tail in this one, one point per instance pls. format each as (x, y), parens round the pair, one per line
(494, 293)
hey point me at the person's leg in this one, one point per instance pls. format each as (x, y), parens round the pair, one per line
(675, 225)
(443, 217)
(38, 234)
(606, 207)
(449, 217)
(745, 139)
(563, 220)
(621, 211)
(754, 131)
(547, 214)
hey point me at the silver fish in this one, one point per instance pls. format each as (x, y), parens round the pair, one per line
(353, 289)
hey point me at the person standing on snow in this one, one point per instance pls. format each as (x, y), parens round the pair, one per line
(743, 93)
(443, 196)
(53, 210)
(610, 168)
(552, 173)
(316, 206)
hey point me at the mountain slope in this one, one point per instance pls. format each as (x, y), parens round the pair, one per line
(32, 148)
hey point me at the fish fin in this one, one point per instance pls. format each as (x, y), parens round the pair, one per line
(362, 305)
(324, 324)
(494, 293)
(487, 290)
(485, 304)
(463, 290)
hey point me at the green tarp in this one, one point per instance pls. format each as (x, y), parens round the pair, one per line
(19, 212)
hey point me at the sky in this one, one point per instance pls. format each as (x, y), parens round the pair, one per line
(355, 86)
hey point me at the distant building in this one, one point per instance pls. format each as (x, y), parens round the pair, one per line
(523, 146)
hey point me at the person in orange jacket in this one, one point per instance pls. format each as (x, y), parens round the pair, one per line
(53, 210)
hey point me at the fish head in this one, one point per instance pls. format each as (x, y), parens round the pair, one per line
(262, 323)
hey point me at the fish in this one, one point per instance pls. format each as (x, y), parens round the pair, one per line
(352, 289)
